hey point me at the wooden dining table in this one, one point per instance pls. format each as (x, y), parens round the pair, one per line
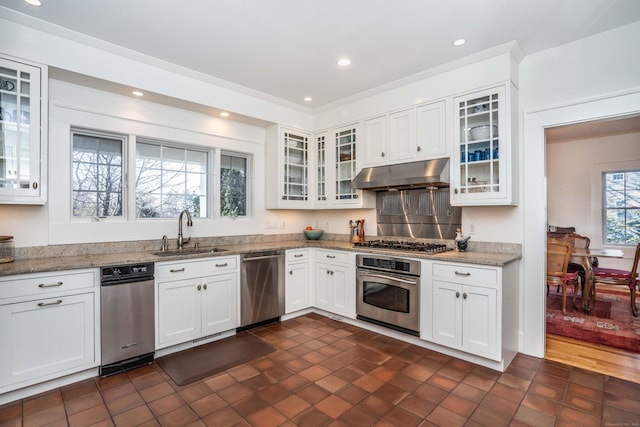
(587, 255)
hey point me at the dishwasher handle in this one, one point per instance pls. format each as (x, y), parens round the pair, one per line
(259, 257)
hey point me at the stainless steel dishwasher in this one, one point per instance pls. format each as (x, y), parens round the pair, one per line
(127, 317)
(262, 287)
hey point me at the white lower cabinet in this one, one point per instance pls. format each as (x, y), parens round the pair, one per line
(48, 327)
(297, 281)
(471, 308)
(335, 289)
(195, 299)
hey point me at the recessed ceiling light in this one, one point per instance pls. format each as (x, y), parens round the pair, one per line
(34, 2)
(137, 93)
(459, 42)
(308, 98)
(343, 62)
(224, 114)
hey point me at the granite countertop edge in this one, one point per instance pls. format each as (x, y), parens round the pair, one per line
(39, 265)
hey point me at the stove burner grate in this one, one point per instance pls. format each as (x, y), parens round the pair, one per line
(432, 248)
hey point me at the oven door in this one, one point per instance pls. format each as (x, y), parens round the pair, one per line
(388, 299)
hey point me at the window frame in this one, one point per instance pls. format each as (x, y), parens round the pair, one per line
(124, 138)
(605, 208)
(210, 153)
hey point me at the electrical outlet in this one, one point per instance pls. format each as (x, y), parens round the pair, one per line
(283, 225)
(270, 225)
(472, 228)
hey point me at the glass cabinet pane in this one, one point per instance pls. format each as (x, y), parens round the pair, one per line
(321, 179)
(345, 140)
(296, 163)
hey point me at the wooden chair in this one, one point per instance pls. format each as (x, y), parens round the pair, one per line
(558, 255)
(610, 276)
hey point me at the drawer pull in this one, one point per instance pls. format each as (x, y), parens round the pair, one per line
(464, 295)
(298, 255)
(50, 285)
(199, 287)
(177, 270)
(290, 271)
(457, 294)
(331, 256)
(45, 304)
(222, 265)
(458, 273)
(204, 286)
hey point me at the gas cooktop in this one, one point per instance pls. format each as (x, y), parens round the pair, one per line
(430, 248)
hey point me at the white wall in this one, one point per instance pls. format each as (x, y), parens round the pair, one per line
(593, 78)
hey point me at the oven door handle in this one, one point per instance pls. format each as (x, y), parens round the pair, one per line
(381, 276)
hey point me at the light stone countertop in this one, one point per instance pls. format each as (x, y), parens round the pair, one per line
(47, 264)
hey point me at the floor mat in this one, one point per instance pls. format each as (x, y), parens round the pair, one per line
(609, 323)
(199, 362)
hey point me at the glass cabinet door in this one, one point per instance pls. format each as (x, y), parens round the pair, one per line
(296, 165)
(19, 129)
(321, 167)
(345, 143)
(480, 124)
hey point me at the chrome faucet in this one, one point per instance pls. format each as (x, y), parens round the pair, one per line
(181, 240)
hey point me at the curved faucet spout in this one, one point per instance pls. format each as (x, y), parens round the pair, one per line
(181, 240)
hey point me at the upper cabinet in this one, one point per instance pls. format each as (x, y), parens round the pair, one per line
(289, 149)
(23, 130)
(407, 135)
(484, 158)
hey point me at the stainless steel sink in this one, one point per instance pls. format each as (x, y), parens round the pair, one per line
(190, 251)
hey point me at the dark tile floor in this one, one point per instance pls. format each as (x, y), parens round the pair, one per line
(326, 373)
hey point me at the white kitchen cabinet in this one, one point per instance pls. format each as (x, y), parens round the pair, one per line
(471, 308)
(289, 188)
(335, 287)
(431, 131)
(405, 136)
(196, 298)
(48, 326)
(484, 158)
(336, 163)
(297, 280)
(23, 132)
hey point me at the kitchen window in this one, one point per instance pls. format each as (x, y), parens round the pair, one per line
(233, 184)
(621, 205)
(97, 174)
(169, 179)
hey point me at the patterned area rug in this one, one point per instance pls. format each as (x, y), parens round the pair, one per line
(609, 323)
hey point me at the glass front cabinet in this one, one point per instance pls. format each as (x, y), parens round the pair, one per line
(290, 150)
(484, 157)
(22, 136)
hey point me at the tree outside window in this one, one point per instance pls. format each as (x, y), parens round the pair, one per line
(97, 175)
(622, 207)
(170, 179)
(233, 185)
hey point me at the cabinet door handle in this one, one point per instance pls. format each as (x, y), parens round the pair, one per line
(419, 148)
(34, 185)
(331, 256)
(199, 287)
(176, 270)
(455, 190)
(222, 265)
(204, 286)
(457, 294)
(45, 304)
(464, 295)
(50, 285)
(290, 271)
(460, 273)
(382, 154)
(298, 255)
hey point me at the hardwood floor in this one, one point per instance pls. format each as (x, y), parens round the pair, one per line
(598, 358)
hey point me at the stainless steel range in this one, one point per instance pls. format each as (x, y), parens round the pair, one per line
(397, 245)
(388, 292)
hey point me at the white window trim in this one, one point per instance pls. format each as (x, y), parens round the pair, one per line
(250, 183)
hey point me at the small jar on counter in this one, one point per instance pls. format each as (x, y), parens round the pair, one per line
(7, 250)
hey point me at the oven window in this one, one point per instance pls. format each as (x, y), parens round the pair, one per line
(386, 296)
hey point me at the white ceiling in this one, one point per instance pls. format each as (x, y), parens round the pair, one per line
(288, 48)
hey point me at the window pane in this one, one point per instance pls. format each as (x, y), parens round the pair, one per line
(233, 185)
(622, 207)
(169, 180)
(97, 175)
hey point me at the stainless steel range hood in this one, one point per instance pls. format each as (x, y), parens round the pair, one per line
(422, 174)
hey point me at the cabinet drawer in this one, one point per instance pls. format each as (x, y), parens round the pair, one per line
(295, 255)
(463, 273)
(195, 268)
(332, 257)
(29, 285)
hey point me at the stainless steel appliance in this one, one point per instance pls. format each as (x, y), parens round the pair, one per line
(126, 317)
(262, 288)
(397, 245)
(388, 292)
(412, 199)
